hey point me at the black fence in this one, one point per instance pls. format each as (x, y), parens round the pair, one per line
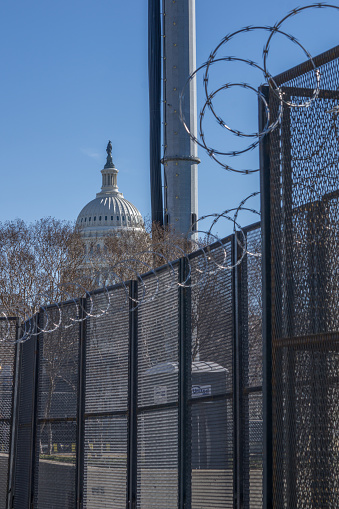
(8, 330)
(191, 387)
(153, 401)
(300, 191)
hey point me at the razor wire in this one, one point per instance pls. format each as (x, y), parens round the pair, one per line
(108, 275)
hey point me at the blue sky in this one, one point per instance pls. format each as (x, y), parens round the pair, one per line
(74, 74)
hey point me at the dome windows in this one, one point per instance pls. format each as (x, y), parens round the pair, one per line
(107, 215)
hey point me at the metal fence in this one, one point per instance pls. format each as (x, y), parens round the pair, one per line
(155, 404)
(8, 329)
(301, 288)
(194, 388)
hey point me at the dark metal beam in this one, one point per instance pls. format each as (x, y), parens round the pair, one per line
(13, 421)
(266, 298)
(132, 446)
(185, 363)
(80, 445)
(154, 84)
(307, 66)
(238, 405)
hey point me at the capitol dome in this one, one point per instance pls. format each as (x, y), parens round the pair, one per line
(109, 213)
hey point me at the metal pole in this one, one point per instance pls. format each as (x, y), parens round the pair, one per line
(14, 424)
(234, 378)
(180, 157)
(237, 378)
(185, 362)
(132, 452)
(289, 318)
(80, 441)
(22, 474)
(34, 435)
(267, 319)
(154, 80)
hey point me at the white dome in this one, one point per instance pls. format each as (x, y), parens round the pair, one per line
(105, 214)
(109, 212)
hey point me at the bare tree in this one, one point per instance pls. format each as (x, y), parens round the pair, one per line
(38, 261)
(132, 253)
(45, 262)
(35, 261)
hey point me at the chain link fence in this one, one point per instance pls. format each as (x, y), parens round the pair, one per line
(300, 231)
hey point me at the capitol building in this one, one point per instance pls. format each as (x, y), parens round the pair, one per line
(109, 213)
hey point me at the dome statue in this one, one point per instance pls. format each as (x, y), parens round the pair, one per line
(109, 213)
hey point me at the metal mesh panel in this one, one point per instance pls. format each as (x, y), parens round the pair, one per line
(105, 462)
(157, 471)
(157, 480)
(251, 337)
(177, 442)
(56, 471)
(304, 247)
(4, 461)
(211, 381)
(253, 464)
(212, 455)
(54, 474)
(7, 366)
(106, 401)
(107, 341)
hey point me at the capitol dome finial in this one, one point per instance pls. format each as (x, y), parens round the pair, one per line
(109, 162)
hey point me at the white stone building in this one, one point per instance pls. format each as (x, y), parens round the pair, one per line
(109, 213)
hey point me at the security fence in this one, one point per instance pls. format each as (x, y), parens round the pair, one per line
(301, 289)
(190, 387)
(8, 329)
(154, 401)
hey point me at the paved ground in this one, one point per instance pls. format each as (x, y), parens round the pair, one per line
(105, 487)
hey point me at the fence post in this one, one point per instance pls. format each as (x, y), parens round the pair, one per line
(14, 423)
(80, 440)
(132, 397)
(238, 441)
(37, 321)
(22, 450)
(266, 298)
(184, 357)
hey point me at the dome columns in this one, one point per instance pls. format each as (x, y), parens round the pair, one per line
(109, 181)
